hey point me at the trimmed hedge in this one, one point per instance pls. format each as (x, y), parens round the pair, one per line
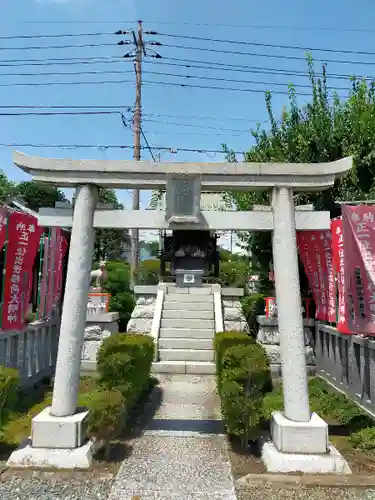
(107, 415)
(222, 342)
(124, 363)
(9, 384)
(243, 380)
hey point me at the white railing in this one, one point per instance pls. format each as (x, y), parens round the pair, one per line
(32, 351)
(155, 328)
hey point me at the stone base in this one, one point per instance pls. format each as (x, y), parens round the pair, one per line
(79, 458)
(328, 463)
(274, 357)
(289, 436)
(52, 432)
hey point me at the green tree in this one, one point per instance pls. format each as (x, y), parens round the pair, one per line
(321, 130)
(6, 187)
(110, 243)
(37, 195)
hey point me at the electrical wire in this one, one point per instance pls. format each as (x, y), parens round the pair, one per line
(112, 146)
(62, 113)
(268, 45)
(254, 70)
(251, 82)
(62, 61)
(48, 47)
(60, 35)
(275, 56)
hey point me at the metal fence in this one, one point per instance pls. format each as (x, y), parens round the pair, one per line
(348, 362)
(32, 351)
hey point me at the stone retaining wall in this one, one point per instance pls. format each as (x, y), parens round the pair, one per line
(233, 316)
(143, 313)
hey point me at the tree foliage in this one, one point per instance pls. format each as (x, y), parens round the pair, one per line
(324, 129)
(110, 244)
(37, 195)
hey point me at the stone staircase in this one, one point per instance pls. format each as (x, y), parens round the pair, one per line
(186, 331)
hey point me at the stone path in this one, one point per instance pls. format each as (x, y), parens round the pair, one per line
(183, 454)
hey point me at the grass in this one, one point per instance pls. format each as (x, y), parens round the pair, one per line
(351, 430)
(31, 402)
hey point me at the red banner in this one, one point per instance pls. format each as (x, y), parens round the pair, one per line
(60, 251)
(338, 262)
(23, 240)
(316, 255)
(358, 224)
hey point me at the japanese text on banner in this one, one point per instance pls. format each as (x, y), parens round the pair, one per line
(23, 241)
(359, 271)
(338, 261)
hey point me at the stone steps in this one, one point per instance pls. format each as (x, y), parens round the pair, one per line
(186, 354)
(189, 367)
(183, 333)
(185, 343)
(189, 297)
(188, 306)
(183, 314)
(199, 324)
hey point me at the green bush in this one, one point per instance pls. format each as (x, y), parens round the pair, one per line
(234, 274)
(245, 380)
(106, 418)
(124, 363)
(148, 272)
(253, 305)
(118, 279)
(123, 303)
(9, 383)
(364, 439)
(222, 342)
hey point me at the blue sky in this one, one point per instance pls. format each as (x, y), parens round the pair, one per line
(343, 25)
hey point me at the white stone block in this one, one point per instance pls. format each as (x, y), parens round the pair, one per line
(200, 290)
(169, 367)
(299, 437)
(200, 368)
(236, 326)
(53, 458)
(139, 325)
(329, 463)
(183, 314)
(49, 431)
(186, 355)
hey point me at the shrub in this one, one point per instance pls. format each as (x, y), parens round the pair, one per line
(234, 274)
(364, 439)
(106, 418)
(245, 380)
(118, 280)
(253, 305)
(124, 363)
(123, 303)
(222, 342)
(148, 272)
(9, 383)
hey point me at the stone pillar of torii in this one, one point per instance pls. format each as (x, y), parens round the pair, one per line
(299, 437)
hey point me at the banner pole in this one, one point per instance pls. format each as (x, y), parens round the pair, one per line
(4, 268)
(41, 260)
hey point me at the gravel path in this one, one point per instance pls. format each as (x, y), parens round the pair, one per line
(302, 493)
(41, 485)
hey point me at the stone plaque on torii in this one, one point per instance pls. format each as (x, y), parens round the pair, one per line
(286, 451)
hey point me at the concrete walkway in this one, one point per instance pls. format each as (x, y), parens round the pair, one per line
(183, 453)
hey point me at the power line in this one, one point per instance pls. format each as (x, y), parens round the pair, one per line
(193, 125)
(62, 61)
(269, 45)
(256, 70)
(193, 77)
(60, 35)
(38, 106)
(200, 117)
(61, 113)
(112, 146)
(154, 82)
(207, 25)
(47, 47)
(275, 56)
(251, 82)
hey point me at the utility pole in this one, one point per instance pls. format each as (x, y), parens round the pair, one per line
(137, 128)
(138, 53)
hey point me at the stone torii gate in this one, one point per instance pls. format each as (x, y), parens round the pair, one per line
(299, 438)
